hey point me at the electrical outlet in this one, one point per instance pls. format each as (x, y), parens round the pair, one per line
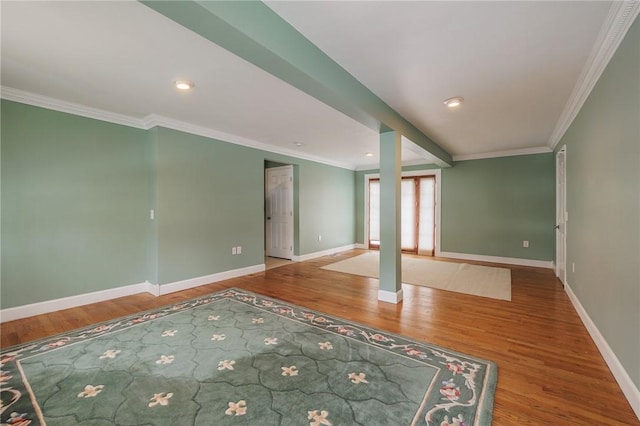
(525, 244)
(239, 250)
(234, 250)
(573, 267)
(319, 237)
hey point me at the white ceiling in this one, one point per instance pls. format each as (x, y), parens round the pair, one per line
(515, 63)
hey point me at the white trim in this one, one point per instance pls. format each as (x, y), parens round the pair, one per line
(361, 246)
(163, 289)
(327, 252)
(621, 15)
(505, 153)
(426, 172)
(561, 204)
(24, 97)
(45, 307)
(465, 157)
(39, 308)
(390, 296)
(629, 389)
(417, 162)
(496, 259)
(154, 120)
(285, 223)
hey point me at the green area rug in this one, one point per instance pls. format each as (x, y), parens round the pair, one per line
(235, 357)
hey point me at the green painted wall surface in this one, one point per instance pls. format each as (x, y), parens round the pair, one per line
(490, 206)
(75, 205)
(603, 203)
(209, 199)
(76, 195)
(326, 199)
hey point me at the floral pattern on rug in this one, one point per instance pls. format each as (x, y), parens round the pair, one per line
(253, 351)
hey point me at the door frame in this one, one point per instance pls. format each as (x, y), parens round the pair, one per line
(436, 173)
(291, 197)
(561, 210)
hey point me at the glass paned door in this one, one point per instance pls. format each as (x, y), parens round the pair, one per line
(427, 211)
(408, 206)
(417, 214)
(374, 214)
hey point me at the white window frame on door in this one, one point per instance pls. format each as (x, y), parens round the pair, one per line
(413, 173)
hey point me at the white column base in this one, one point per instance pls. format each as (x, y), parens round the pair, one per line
(390, 296)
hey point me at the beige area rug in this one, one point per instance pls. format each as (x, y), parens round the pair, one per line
(478, 280)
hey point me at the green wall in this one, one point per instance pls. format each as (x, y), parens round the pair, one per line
(324, 199)
(209, 199)
(490, 206)
(603, 203)
(75, 205)
(76, 196)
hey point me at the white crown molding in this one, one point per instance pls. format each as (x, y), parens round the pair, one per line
(154, 120)
(41, 101)
(418, 162)
(621, 16)
(505, 153)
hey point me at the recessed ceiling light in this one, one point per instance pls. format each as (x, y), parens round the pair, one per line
(453, 102)
(369, 154)
(298, 143)
(184, 85)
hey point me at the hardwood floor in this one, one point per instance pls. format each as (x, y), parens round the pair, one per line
(549, 370)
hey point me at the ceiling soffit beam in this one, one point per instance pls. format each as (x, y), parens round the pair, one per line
(252, 31)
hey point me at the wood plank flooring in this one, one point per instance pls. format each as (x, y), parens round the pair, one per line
(549, 370)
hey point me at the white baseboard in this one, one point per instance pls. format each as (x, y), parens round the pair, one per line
(327, 252)
(39, 308)
(629, 389)
(361, 246)
(390, 296)
(163, 289)
(496, 259)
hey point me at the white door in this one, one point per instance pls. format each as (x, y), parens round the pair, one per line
(561, 215)
(279, 212)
